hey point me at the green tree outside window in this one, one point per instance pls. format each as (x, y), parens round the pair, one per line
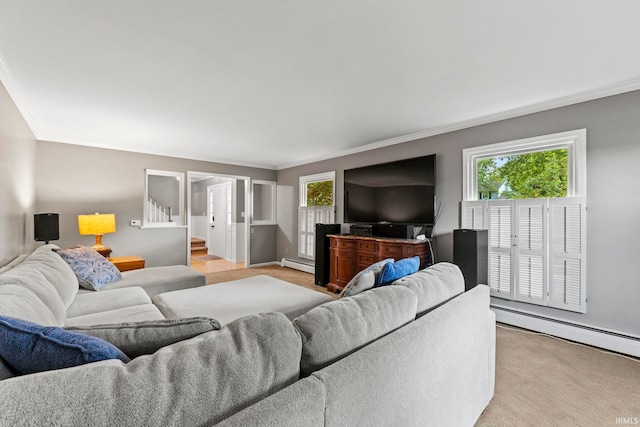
(320, 193)
(524, 176)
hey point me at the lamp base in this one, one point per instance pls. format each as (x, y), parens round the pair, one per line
(103, 250)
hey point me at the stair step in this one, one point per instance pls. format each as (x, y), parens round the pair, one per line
(198, 246)
(199, 251)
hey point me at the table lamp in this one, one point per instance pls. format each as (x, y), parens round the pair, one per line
(98, 225)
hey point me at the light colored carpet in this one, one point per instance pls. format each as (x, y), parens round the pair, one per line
(540, 381)
(543, 381)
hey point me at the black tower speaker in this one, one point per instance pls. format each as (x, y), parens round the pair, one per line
(322, 252)
(46, 227)
(471, 254)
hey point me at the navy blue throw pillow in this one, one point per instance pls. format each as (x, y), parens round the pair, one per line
(29, 348)
(393, 271)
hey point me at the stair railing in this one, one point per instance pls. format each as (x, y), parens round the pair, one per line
(157, 212)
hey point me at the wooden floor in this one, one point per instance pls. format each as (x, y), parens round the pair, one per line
(214, 266)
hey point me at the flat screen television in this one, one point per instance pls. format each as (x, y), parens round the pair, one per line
(399, 192)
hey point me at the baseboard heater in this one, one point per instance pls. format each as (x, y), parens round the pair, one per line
(298, 265)
(585, 334)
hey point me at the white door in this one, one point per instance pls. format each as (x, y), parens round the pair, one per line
(218, 198)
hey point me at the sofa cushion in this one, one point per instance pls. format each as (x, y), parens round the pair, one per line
(434, 285)
(393, 271)
(138, 338)
(229, 301)
(365, 279)
(56, 271)
(137, 313)
(17, 260)
(196, 382)
(29, 277)
(93, 270)
(97, 302)
(156, 280)
(335, 329)
(20, 302)
(29, 348)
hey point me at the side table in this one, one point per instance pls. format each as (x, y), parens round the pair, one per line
(126, 263)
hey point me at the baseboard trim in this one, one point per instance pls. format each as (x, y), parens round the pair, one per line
(263, 264)
(609, 340)
(298, 265)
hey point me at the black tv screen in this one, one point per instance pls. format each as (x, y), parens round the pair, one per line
(400, 192)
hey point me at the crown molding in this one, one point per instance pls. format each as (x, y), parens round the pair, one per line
(12, 87)
(602, 92)
(164, 153)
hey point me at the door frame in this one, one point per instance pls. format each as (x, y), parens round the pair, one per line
(227, 187)
(247, 199)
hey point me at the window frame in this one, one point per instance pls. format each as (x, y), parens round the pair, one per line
(319, 177)
(267, 218)
(306, 244)
(146, 222)
(574, 141)
(477, 214)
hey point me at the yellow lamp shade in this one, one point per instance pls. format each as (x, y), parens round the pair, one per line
(97, 224)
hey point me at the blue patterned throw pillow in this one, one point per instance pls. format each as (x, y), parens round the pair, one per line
(365, 279)
(29, 348)
(396, 270)
(93, 270)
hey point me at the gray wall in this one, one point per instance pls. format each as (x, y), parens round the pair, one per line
(17, 176)
(265, 237)
(73, 180)
(613, 155)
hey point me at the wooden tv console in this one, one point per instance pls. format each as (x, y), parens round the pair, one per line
(349, 254)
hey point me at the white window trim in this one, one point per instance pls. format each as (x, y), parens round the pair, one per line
(476, 214)
(319, 177)
(272, 220)
(308, 214)
(574, 141)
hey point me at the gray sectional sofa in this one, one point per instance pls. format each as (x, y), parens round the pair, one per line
(419, 352)
(43, 289)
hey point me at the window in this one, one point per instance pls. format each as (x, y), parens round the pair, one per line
(163, 199)
(317, 205)
(263, 202)
(529, 194)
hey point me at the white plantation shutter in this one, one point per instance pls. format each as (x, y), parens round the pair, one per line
(536, 249)
(531, 251)
(567, 287)
(473, 215)
(500, 242)
(308, 217)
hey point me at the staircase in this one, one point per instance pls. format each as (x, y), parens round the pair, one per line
(198, 247)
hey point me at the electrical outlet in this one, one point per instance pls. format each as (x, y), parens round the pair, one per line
(135, 223)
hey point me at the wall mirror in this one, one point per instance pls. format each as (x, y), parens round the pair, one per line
(263, 202)
(163, 199)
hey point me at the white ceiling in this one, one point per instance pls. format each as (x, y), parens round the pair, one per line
(280, 83)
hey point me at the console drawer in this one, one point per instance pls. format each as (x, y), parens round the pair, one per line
(367, 246)
(391, 251)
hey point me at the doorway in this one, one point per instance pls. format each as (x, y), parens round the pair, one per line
(217, 224)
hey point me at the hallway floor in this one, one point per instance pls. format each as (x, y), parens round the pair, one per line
(214, 266)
